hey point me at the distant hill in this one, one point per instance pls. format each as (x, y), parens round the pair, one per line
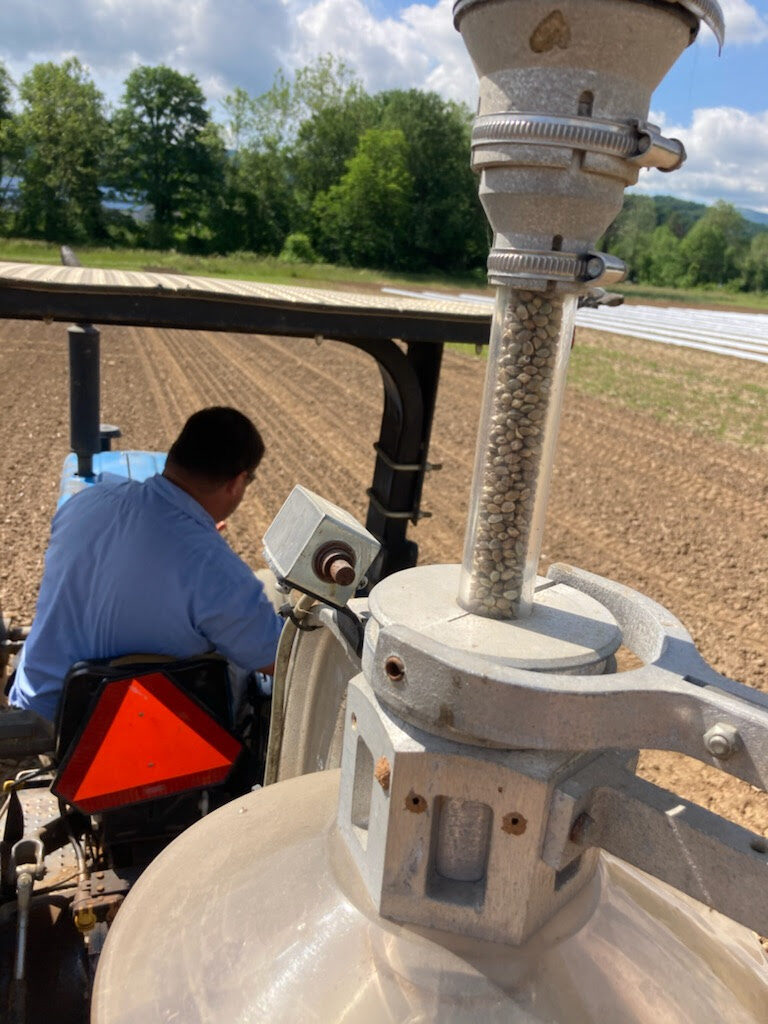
(681, 214)
(754, 216)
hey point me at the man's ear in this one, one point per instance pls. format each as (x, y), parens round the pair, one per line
(232, 485)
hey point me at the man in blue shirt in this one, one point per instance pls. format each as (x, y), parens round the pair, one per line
(142, 567)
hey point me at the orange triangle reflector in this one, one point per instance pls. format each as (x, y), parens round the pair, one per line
(145, 739)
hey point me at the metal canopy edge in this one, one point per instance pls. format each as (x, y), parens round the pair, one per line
(36, 291)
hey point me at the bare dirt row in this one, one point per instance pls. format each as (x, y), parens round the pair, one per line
(680, 517)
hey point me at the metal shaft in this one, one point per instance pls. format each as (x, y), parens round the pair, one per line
(84, 395)
(527, 363)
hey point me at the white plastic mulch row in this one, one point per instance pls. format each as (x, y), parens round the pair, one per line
(744, 335)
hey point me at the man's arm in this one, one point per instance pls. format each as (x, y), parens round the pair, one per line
(232, 611)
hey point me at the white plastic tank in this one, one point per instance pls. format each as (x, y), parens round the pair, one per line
(256, 914)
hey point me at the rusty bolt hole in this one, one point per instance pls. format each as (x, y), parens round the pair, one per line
(514, 824)
(415, 804)
(394, 668)
(353, 720)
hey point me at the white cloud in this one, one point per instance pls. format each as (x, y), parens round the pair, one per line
(743, 23)
(727, 159)
(229, 42)
(420, 48)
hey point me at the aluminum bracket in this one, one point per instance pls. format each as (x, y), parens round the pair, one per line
(711, 859)
(674, 701)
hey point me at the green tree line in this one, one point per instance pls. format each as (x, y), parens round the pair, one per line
(668, 241)
(313, 168)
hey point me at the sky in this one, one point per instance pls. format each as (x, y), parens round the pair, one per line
(717, 105)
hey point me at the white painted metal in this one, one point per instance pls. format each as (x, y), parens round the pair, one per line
(304, 526)
(744, 335)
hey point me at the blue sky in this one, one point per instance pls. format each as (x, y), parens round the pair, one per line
(717, 105)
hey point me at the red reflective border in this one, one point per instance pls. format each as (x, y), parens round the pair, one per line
(145, 739)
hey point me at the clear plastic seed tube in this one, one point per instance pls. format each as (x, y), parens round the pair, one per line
(527, 362)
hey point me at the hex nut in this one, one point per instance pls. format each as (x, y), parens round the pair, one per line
(721, 740)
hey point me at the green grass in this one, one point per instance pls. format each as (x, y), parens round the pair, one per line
(714, 397)
(724, 399)
(749, 301)
(241, 266)
(253, 267)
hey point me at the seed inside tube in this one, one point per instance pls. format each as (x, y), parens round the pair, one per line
(514, 458)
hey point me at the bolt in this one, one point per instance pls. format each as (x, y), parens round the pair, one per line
(99, 874)
(394, 668)
(335, 563)
(99, 888)
(580, 829)
(721, 740)
(594, 267)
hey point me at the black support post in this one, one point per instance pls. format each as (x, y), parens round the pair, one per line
(84, 395)
(410, 388)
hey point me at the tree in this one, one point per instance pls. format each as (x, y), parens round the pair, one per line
(705, 252)
(324, 145)
(448, 228)
(716, 246)
(629, 236)
(733, 226)
(257, 191)
(365, 220)
(9, 149)
(61, 131)
(756, 264)
(664, 260)
(164, 151)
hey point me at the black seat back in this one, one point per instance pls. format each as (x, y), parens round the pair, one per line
(204, 678)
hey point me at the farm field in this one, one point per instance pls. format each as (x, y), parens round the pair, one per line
(661, 479)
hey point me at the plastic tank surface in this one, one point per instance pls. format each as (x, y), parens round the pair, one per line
(256, 914)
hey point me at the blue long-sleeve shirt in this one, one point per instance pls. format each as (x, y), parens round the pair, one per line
(139, 568)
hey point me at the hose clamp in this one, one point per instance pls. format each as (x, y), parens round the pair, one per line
(524, 269)
(637, 142)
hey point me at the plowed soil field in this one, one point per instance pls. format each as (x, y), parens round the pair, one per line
(677, 515)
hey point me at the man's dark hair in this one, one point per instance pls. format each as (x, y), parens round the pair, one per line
(217, 444)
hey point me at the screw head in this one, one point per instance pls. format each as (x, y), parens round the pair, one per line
(721, 740)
